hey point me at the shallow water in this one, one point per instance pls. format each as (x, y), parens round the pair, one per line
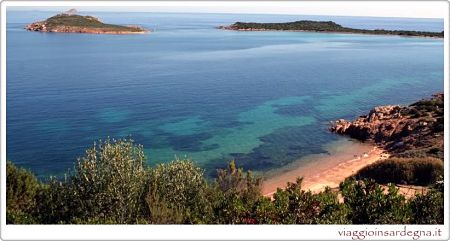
(190, 90)
(319, 169)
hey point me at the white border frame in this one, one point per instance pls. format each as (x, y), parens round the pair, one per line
(197, 232)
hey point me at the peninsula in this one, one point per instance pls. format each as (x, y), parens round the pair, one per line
(72, 23)
(323, 26)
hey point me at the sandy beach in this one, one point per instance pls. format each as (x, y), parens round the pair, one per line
(318, 171)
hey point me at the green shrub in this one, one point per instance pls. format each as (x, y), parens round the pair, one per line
(428, 208)
(20, 217)
(21, 190)
(111, 185)
(331, 210)
(162, 212)
(296, 206)
(235, 195)
(265, 212)
(415, 171)
(368, 203)
(109, 182)
(234, 180)
(56, 203)
(180, 187)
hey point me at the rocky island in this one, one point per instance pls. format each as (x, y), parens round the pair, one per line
(70, 22)
(323, 26)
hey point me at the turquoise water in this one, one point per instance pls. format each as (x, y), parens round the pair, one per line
(191, 90)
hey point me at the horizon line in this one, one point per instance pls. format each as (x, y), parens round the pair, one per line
(17, 9)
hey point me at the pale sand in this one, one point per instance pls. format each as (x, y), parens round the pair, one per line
(344, 160)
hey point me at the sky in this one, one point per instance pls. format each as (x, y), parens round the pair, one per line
(412, 9)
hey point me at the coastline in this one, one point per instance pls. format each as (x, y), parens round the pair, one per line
(344, 159)
(332, 32)
(93, 31)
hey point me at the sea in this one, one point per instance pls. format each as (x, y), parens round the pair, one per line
(188, 90)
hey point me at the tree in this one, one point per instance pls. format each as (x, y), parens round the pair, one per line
(180, 188)
(237, 193)
(109, 182)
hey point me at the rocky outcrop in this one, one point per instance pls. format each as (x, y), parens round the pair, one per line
(419, 125)
(37, 26)
(41, 27)
(381, 124)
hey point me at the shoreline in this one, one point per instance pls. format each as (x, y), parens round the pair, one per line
(332, 32)
(97, 32)
(325, 170)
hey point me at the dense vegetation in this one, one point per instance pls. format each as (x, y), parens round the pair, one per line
(325, 26)
(414, 171)
(112, 184)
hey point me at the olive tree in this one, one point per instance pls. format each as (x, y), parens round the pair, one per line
(109, 182)
(177, 193)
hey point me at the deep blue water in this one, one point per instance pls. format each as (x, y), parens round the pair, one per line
(190, 90)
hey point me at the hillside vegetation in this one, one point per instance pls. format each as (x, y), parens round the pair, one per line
(82, 24)
(112, 185)
(323, 26)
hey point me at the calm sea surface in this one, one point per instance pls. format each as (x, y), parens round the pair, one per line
(190, 90)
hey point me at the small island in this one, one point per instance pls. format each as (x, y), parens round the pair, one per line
(70, 22)
(324, 26)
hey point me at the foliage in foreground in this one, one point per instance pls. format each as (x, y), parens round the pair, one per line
(112, 185)
(22, 188)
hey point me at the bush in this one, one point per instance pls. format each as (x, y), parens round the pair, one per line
(264, 212)
(368, 203)
(109, 182)
(414, 171)
(19, 217)
(296, 206)
(235, 195)
(180, 187)
(162, 212)
(428, 208)
(21, 190)
(331, 210)
(110, 185)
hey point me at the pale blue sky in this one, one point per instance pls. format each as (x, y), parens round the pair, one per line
(425, 9)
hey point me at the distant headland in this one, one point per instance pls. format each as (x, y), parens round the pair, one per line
(70, 22)
(323, 26)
